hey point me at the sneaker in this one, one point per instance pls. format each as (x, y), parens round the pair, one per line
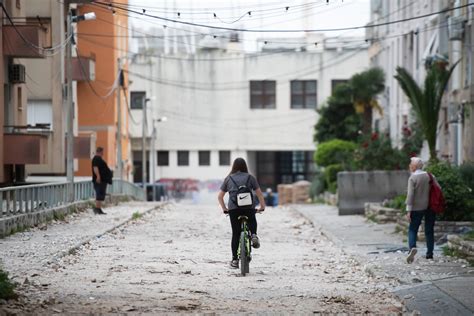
(411, 255)
(255, 241)
(98, 211)
(234, 264)
(429, 257)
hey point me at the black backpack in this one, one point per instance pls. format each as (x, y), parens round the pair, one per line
(243, 197)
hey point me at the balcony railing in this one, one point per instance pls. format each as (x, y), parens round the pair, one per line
(29, 199)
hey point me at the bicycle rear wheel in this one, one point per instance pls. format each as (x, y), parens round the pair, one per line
(244, 263)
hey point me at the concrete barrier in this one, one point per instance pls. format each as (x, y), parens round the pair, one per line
(359, 187)
(12, 224)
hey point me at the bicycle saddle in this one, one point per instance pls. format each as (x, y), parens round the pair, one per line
(243, 218)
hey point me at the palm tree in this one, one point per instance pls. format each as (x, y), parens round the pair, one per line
(426, 101)
(365, 87)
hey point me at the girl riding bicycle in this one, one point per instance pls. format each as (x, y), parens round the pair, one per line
(238, 177)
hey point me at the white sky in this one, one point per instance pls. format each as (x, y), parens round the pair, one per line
(302, 14)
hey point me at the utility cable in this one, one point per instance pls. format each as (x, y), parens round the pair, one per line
(285, 30)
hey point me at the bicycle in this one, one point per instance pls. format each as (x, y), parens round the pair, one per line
(244, 251)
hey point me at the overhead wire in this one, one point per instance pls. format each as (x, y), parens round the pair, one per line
(287, 30)
(49, 51)
(247, 55)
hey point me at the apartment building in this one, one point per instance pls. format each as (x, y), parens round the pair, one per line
(409, 44)
(23, 40)
(221, 104)
(102, 102)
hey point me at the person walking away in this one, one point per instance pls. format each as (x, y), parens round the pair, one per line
(240, 177)
(101, 175)
(417, 202)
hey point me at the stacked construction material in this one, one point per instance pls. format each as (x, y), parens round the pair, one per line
(300, 192)
(285, 194)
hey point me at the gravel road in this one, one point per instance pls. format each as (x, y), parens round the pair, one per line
(175, 259)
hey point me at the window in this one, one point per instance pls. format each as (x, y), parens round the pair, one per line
(183, 158)
(224, 158)
(163, 158)
(263, 94)
(137, 99)
(303, 94)
(337, 82)
(204, 158)
(40, 112)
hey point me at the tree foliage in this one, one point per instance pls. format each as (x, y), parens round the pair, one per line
(338, 119)
(426, 100)
(365, 88)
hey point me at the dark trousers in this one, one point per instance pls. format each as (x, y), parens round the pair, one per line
(236, 229)
(100, 191)
(416, 217)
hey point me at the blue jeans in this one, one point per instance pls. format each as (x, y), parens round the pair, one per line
(416, 217)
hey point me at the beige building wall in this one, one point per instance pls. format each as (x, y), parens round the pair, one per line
(45, 82)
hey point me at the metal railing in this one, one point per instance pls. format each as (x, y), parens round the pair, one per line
(38, 197)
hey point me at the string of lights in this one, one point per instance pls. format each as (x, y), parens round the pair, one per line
(246, 55)
(373, 25)
(223, 35)
(257, 7)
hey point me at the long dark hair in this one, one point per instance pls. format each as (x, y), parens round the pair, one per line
(239, 165)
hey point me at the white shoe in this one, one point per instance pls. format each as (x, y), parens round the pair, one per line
(411, 255)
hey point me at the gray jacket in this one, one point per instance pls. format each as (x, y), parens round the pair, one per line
(418, 193)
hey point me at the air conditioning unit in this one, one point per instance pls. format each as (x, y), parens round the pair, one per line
(17, 73)
(456, 28)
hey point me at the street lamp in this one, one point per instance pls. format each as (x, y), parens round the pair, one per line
(71, 18)
(144, 123)
(153, 152)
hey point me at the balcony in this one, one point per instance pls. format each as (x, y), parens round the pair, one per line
(25, 148)
(27, 47)
(83, 69)
(84, 145)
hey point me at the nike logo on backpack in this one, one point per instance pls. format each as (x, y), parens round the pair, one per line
(242, 197)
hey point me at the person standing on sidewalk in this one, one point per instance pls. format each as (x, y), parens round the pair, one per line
(418, 195)
(101, 175)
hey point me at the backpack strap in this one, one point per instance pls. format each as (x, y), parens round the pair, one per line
(431, 177)
(232, 179)
(248, 181)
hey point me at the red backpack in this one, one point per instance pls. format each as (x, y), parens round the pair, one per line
(437, 202)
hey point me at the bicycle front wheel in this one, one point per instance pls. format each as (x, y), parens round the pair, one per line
(244, 263)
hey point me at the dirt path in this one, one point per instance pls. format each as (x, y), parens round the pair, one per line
(176, 260)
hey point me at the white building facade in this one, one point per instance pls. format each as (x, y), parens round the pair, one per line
(223, 105)
(445, 35)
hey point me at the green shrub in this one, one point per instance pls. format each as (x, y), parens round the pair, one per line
(330, 173)
(376, 153)
(398, 203)
(335, 151)
(6, 287)
(455, 190)
(318, 184)
(467, 175)
(412, 140)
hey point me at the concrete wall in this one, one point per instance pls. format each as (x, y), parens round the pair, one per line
(359, 187)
